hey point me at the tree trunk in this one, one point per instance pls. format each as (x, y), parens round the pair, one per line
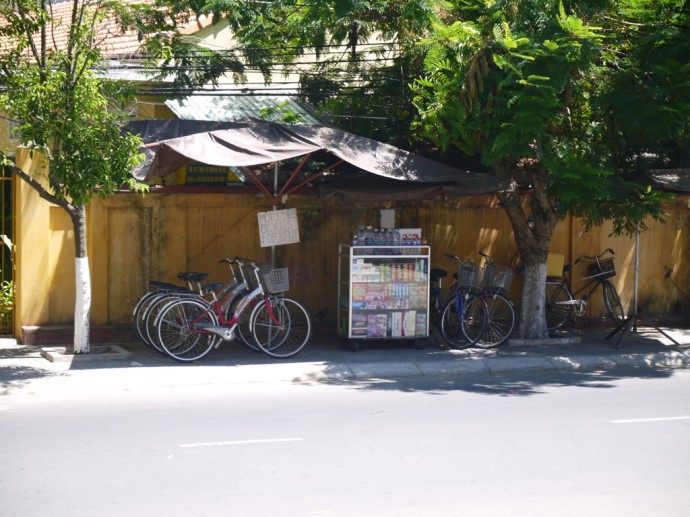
(533, 227)
(533, 315)
(82, 306)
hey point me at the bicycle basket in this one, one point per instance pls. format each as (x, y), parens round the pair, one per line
(470, 277)
(602, 268)
(498, 278)
(250, 277)
(277, 280)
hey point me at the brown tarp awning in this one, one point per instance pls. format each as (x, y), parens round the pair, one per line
(171, 144)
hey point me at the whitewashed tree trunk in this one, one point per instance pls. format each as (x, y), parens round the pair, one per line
(533, 315)
(82, 306)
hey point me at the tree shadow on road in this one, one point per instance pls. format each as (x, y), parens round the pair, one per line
(510, 384)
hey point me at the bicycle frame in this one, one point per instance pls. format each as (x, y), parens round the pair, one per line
(226, 327)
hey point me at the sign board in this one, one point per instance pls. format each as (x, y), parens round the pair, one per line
(278, 227)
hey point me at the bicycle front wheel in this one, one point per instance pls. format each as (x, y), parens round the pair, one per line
(180, 327)
(613, 304)
(501, 321)
(556, 306)
(463, 320)
(281, 327)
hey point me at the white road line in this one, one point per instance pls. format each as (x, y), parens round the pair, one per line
(238, 442)
(641, 420)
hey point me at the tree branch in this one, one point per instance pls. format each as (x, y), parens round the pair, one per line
(42, 192)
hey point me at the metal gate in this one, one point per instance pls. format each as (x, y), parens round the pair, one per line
(7, 255)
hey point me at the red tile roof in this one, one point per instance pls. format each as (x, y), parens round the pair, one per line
(110, 39)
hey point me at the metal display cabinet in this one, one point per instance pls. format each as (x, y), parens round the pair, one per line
(383, 293)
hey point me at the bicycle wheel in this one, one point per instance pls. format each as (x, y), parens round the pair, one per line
(475, 318)
(152, 311)
(463, 320)
(557, 311)
(243, 331)
(288, 335)
(613, 304)
(180, 329)
(139, 314)
(501, 321)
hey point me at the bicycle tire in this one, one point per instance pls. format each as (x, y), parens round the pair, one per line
(242, 331)
(463, 328)
(557, 313)
(139, 314)
(286, 338)
(175, 335)
(613, 303)
(501, 321)
(151, 315)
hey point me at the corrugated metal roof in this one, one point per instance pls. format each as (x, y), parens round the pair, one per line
(225, 108)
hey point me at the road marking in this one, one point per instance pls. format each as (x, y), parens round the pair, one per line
(238, 442)
(4, 408)
(641, 420)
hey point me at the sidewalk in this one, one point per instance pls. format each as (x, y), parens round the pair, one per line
(129, 365)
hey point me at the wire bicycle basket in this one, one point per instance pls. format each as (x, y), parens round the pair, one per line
(470, 277)
(498, 278)
(602, 268)
(276, 280)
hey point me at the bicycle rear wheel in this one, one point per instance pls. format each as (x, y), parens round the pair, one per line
(152, 311)
(555, 306)
(463, 320)
(180, 329)
(501, 321)
(288, 335)
(139, 314)
(613, 304)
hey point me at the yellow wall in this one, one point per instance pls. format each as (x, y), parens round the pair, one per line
(134, 239)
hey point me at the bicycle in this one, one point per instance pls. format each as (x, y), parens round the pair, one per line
(501, 311)
(147, 310)
(145, 307)
(464, 316)
(563, 304)
(189, 328)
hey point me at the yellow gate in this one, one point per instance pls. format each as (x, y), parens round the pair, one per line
(7, 255)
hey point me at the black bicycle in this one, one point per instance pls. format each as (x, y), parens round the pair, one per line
(563, 304)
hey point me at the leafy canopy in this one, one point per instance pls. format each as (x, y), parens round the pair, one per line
(64, 105)
(522, 85)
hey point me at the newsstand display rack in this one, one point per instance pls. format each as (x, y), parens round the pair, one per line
(383, 293)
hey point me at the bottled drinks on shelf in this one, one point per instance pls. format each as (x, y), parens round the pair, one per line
(389, 241)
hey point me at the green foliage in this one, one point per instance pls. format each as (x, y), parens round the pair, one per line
(649, 78)
(67, 109)
(6, 298)
(535, 83)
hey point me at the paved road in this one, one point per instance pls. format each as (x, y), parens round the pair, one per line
(519, 444)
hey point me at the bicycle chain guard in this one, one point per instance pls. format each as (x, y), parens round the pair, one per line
(580, 308)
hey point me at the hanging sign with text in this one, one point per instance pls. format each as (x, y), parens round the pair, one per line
(278, 227)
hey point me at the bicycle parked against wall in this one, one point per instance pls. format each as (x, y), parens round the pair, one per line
(501, 311)
(463, 318)
(189, 328)
(563, 304)
(162, 294)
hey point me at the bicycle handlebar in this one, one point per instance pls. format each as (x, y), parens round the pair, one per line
(585, 257)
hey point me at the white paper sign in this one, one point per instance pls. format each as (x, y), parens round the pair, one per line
(278, 227)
